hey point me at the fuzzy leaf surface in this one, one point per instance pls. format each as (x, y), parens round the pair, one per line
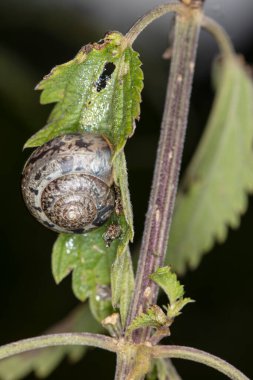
(121, 180)
(88, 258)
(154, 317)
(174, 310)
(122, 281)
(122, 276)
(167, 280)
(42, 362)
(213, 194)
(98, 91)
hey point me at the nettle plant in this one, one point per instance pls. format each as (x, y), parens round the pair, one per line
(76, 183)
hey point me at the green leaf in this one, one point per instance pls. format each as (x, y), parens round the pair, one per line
(213, 194)
(154, 317)
(124, 216)
(167, 280)
(89, 259)
(100, 303)
(122, 276)
(173, 289)
(45, 360)
(122, 282)
(174, 310)
(98, 91)
(121, 180)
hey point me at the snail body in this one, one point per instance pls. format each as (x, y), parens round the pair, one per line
(67, 183)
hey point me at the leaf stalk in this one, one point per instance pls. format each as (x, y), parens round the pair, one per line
(189, 353)
(81, 339)
(151, 16)
(219, 34)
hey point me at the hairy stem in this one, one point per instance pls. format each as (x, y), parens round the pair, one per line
(125, 361)
(168, 162)
(81, 339)
(133, 362)
(152, 15)
(189, 353)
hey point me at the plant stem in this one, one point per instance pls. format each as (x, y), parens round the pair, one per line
(168, 162)
(220, 35)
(133, 361)
(82, 339)
(125, 360)
(152, 15)
(189, 353)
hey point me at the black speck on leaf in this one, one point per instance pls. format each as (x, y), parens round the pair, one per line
(105, 76)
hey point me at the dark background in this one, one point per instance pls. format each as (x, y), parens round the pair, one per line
(37, 35)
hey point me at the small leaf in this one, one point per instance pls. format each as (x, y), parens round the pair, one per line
(213, 193)
(173, 289)
(154, 317)
(98, 91)
(169, 283)
(45, 360)
(122, 282)
(175, 309)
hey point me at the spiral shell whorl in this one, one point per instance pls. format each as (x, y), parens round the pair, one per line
(67, 183)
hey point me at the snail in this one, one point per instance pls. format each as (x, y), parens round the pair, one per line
(67, 183)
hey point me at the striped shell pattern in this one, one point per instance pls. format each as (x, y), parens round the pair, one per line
(67, 183)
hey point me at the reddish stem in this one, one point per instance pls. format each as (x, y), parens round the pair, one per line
(168, 163)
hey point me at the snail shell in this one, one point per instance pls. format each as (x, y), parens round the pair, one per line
(66, 183)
